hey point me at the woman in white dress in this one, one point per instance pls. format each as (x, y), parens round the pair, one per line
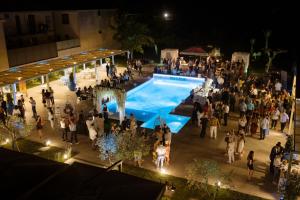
(241, 144)
(92, 131)
(51, 117)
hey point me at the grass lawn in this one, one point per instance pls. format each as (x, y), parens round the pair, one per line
(182, 192)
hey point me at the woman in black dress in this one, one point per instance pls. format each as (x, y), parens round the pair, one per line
(39, 126)
(250, 159)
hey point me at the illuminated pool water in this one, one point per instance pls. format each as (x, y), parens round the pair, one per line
(157, 98)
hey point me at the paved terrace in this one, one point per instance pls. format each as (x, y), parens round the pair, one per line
(186, 145)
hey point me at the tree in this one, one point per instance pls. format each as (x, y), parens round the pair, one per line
(107, 147)
(122, 146)
(132, 35)
(130, 145)
(200, 172)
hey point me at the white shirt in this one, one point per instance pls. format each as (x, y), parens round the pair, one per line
(226, 109)
(265, 123)
(278, 86)
(254, 92)
(72, 126)
(62, 124)
(161, 150)
(284, 118)
(220, 80)
(275, 115)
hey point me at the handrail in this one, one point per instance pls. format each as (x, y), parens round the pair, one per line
(116, 164)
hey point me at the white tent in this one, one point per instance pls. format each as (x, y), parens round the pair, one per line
(169, 53)
(239, 56)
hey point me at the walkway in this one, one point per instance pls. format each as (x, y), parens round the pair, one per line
(186, 145)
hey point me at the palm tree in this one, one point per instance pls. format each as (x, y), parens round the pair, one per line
(267, 34)
(132, 35)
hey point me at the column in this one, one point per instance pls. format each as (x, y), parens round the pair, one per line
(42, 79)
(74, 73)
(113, 59)
(96, 71)
(83, 66)
(47, 81)
(14, 89)
(100, 62)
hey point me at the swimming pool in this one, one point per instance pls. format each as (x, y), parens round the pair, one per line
(158, 97)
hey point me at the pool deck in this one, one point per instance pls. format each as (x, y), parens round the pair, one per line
(186, 145)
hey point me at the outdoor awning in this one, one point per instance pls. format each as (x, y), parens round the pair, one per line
(194, 51)
(25, 72)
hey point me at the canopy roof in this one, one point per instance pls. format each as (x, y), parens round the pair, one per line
(25, 72)
(194, 51)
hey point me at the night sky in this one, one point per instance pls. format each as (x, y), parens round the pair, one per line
(228, 25)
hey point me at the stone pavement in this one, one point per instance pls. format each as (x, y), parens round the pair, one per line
(186, 145)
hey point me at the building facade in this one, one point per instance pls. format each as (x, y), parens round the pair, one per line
(37, 35)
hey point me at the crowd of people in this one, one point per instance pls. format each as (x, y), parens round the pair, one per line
(262, 103)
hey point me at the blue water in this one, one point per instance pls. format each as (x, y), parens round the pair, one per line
(157, 98)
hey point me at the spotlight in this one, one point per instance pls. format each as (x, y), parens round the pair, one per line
(7, 140)
(48, 143)
(65, 156)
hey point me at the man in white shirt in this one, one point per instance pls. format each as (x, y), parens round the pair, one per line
(284, 118)
(161, 155)
(264, 126)
(275, 117)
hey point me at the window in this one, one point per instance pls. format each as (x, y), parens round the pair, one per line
(65, 18)
(18, 24)
(31, 24)
(48, 22)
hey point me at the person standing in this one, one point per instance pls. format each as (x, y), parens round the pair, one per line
(161, 154)
(105, 112)
(51, 95)
(275, 151)
(264, 126)
(230, 149)
(232, 101)
(33, 107)
(241, 144)
(4, 106)
(51, 117)
(275, 117)
(99, 125)
(214, 124)
(92, 131)
(250, 164)
(64, 129)
(39, 126)
(226, 113)
(204, 122)
(107, 69)
(284, 118)
(2, 116)
(73, 130)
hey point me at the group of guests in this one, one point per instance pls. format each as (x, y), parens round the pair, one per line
(162, 146)
(85, 93)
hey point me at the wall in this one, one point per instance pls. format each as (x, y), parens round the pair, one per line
(108, 19)
(95, 29)
(3, 53)
(66, 31)
(31, 54)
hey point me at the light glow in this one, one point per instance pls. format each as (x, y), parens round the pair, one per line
(48, 143)
(65, 156)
